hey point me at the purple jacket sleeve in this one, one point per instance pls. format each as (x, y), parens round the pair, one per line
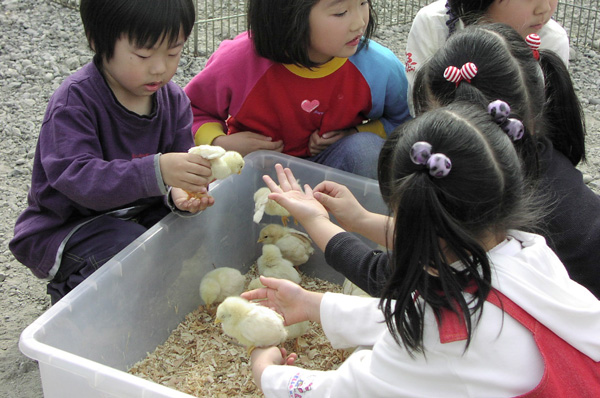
(73, 161)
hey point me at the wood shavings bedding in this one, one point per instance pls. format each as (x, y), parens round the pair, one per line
(200, 360)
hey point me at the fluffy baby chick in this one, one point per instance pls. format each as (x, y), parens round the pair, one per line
(353, 290)
(262, 205)
(222, 163)
(295, 246)
(221, 283)
(251, 324)
(255, 284)
(295, 331)
(272, 264)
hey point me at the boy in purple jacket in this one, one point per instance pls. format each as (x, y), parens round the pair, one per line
(112, 156)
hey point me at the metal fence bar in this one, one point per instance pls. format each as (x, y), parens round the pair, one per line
(581, 22)
(224, 19)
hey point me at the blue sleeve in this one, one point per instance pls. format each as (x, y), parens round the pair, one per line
(385, 74)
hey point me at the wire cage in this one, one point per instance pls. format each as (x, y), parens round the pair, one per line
(223, 19)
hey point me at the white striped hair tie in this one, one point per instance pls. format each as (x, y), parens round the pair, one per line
(455, 75)
(534, 41)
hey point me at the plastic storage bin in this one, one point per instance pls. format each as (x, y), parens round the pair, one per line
(86, 342)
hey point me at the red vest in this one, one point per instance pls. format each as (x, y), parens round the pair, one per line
(568, 373)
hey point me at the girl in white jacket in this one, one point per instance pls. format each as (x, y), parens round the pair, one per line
(435, 22)
(472, 306)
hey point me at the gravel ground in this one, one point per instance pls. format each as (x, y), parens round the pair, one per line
(42, 44)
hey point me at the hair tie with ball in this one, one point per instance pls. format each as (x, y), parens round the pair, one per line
(455, 75)
(439, 165)
(500, 110)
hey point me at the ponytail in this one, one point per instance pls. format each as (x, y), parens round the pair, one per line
(565, 121)
(437, 216)
(423, 269)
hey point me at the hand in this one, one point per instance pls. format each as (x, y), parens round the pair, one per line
(293, 302)
(341, 203)
(245, 142)
(318, 143)
(301, 205)
(185, 170)
(263, 357)
(183, 202)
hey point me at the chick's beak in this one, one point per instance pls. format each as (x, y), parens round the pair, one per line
(260, 240)
(217, 321)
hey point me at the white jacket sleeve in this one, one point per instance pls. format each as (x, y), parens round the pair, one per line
(351, 321)
(427, 34)
(554, 37)
(348, 321)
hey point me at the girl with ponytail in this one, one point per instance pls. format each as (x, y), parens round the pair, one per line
(539, 90)
(468, 304)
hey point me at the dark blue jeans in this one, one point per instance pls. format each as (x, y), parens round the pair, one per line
(357, 153)
(96, 242)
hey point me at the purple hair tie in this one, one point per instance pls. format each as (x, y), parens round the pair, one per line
(438, 164)
(499, 110)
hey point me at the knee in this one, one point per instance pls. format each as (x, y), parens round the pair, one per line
(362, 152)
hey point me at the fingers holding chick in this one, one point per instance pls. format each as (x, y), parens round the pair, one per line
(252, 325)
(186, 171)
(287, 298)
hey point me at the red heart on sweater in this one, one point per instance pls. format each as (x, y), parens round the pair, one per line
(309, 106)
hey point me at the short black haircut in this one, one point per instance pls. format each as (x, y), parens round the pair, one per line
(469, 11)
(280, 30)
(144, 22)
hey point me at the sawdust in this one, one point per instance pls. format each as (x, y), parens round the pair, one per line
(200, 360)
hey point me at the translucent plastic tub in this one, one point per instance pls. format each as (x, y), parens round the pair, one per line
(86, 342)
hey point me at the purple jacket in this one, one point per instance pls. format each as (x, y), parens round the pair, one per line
(94, 156)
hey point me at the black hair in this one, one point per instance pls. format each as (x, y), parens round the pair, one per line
(484, 194)
(280, 29)
(143, 22)
(540, 94)
(469, 11)
(563, 113)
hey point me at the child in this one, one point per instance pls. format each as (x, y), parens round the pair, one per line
(541, 94)
(302, 81)
(114, 137)
(471, 306)
(435, 22)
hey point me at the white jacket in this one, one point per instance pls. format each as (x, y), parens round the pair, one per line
(429, 32)
(502, 360)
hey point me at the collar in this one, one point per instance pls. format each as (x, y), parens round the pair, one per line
(319, 71)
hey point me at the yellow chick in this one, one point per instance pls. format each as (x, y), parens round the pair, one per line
(295, 246)
(351, 289)
(273, 265)
(222, 163)
(255, 284)
(262, 205)
(221, 283)
(293, 331)
(251, 324)
(297, 329)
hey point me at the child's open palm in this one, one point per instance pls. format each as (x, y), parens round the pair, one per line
(183, 201)
(301, 204)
